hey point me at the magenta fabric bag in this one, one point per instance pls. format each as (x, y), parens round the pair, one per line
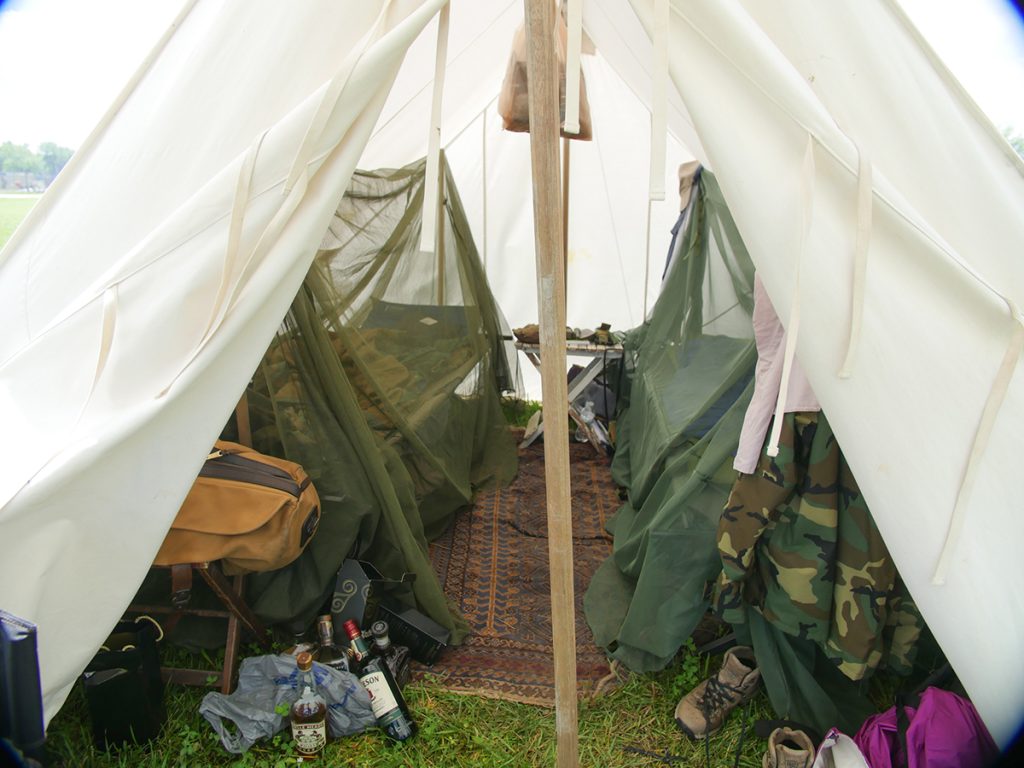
(943, 731)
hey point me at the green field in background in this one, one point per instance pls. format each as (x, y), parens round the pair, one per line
(12, 211)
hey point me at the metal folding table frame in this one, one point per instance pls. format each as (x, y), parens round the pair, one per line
(600, 354)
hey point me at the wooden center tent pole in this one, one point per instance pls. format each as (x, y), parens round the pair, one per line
(542, 75)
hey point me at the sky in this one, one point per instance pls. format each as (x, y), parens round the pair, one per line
(62, 62)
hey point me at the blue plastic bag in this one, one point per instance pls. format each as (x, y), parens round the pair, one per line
(265, 683)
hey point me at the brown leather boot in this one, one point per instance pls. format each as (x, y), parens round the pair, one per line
(788, 748)
(702, 711)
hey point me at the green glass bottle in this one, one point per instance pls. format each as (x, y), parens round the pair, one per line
(396, 656)
(389, 705)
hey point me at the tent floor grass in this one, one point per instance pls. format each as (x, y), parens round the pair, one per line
(629, 726)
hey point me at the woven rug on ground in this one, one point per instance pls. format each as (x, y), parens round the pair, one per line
(493, 563)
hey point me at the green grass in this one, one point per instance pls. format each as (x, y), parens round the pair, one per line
(12, 211)
(518, 412)
(456, 731)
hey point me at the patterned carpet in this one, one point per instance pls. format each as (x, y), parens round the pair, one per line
(493, 564)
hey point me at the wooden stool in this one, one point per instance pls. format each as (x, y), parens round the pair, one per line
(236, 611)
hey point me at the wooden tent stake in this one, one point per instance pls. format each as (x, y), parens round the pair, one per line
(542, 77)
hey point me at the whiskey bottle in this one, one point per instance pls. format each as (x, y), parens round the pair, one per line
(396, 656)
(330, 654)
(308, 713)
(386, 698)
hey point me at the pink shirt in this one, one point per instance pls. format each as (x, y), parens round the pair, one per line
(770, 339)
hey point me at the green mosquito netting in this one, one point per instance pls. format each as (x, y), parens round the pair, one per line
(384, 382)
(689, 377)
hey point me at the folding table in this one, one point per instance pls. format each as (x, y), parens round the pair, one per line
(600, 355)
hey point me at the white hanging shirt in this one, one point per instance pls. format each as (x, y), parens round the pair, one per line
(770, 340)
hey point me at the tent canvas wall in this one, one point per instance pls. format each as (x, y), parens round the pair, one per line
(147, 282)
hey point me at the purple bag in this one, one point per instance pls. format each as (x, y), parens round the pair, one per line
(942, 731)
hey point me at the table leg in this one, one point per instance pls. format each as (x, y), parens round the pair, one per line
(577, 386)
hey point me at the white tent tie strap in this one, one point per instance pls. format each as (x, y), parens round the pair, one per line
(243, 193)
(330, 99)
(265, 241)
(865, 198)
(106, 339)
(108, 325)
(293, 190)
(230, 273)
(988, 419)
(573, 50)
(431, 188)
(793, 327)
(659, 102)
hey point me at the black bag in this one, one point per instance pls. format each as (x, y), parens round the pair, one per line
(22, 735)
(123, 687)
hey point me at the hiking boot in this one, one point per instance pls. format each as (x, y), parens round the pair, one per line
(702, 711)
(788, 748)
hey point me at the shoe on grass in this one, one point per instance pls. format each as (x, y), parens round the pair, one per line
(788, 748)
(702, 711)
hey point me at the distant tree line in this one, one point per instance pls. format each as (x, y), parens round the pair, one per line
(21, 168)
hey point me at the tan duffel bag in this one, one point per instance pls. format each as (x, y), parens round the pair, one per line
(250, 511)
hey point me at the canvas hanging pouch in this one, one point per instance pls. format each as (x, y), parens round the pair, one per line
(251, 511)
(513, 101)
(123, 688)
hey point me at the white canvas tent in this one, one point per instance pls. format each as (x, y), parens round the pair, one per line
(144, 288)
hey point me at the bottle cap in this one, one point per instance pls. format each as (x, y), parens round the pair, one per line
(304, 661)
(352, 629)
(379, 628)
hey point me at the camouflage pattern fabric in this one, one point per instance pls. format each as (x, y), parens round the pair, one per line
(798, 544)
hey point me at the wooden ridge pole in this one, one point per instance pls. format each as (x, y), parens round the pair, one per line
(542, 75)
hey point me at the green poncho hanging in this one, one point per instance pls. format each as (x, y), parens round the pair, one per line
(692, 377)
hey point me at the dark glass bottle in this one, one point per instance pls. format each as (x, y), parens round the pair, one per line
(389, 705)
(308, 713)
(396, 656)
(329, 655)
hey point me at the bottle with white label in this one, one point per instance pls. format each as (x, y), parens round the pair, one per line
(386, 698)
(309, 713)
(588, 418)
